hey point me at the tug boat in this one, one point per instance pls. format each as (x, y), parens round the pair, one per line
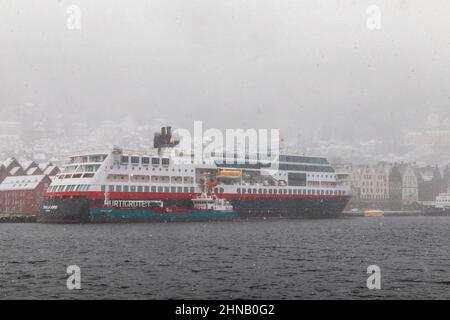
(206, 207)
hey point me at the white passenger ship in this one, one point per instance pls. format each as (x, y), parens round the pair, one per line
(302, 186)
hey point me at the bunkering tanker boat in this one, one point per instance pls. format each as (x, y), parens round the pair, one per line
(154, 186)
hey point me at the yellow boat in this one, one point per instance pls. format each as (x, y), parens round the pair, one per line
(373, 213)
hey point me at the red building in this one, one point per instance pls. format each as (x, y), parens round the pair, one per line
(22, 195)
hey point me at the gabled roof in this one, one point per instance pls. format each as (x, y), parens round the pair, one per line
(44, 165)
(33, 171)
(15, 171)
(51, 170)
(21, 183)
(9, 162)
(28, 164)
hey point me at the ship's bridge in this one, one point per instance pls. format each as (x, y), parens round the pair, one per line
(89, 158)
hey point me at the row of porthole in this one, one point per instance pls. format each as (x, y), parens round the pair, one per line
(291, 191)
(153, 169)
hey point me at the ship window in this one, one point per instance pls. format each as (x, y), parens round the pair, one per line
(103, 188)
(270, 191)
(125, 188)
(124, 159)
(216, 190)
(133, 188)
(285, 191)
(145, 160)
(139, 189)
(221, 190)
(238, 190)
(118, 188)
(155, 161)
(146, 189)
(166, 189)
(180, 189)
(111, 188)
(290, 191)
(192, 189)
(134, 160)
(173, 189)
(259, 191)
(160, 189)
(244, 191)
(165, 161)
(186, 189)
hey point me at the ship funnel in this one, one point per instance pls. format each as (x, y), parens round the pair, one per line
(164, 139)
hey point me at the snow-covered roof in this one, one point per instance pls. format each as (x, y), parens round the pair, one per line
(43, 165)
(26, 164)
(33, 171)
(8, 161)
(49, 170)
(21, 183)
(15, 170)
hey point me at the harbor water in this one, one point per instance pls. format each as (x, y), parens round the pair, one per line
(261, 259)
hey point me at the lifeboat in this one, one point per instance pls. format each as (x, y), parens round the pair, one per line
(229, 174)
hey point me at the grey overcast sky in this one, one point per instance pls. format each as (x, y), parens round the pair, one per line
(298, 65)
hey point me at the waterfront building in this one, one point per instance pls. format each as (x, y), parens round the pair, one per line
(22, 195)
(370, 185)
(430, 183)
(403, 186)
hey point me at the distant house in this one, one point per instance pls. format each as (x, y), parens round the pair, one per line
(17, 171)
(430, 183)
(28, 164)
(370, 185)
(403, 186)
(34, 171)
(22, 195)
(446, 179)
(395, 188)
(3, 172)
(51, 171)
(11, 163)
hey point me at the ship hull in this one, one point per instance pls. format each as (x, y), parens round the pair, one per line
(81, 210)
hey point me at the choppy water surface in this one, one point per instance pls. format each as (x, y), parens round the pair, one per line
(276, 259)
